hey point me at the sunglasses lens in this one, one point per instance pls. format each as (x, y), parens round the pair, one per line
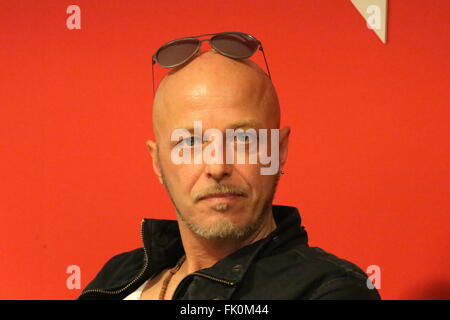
(176, 52)
(235, 45)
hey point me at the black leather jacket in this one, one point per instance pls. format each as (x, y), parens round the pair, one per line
(280, 266)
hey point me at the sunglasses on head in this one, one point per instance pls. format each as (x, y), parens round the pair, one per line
(235, 45)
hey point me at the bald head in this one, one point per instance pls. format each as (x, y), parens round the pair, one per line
(216, 84)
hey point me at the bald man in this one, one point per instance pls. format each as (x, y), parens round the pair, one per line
(229, 241)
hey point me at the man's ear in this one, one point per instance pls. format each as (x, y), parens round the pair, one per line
(284, 144)
(152, 148)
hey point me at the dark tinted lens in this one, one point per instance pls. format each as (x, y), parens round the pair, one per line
(176, 52)
(235, 45)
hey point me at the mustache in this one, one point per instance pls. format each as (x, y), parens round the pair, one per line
(219, 189)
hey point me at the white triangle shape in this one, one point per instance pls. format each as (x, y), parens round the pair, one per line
(374, 13)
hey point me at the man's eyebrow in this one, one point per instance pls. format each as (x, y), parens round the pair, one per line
(235, 125)
(245, 123)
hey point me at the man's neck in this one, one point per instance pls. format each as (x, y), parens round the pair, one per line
(203, 253)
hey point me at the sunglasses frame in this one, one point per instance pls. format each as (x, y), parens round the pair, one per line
(199, 44)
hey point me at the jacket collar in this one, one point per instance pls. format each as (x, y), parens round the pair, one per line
(163, 246)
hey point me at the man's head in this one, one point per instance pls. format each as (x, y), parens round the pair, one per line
(222, 93)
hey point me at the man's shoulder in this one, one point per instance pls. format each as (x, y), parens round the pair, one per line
(131, 258)
(319, 274)
(315, 257)
(118, 270)
(126, 256)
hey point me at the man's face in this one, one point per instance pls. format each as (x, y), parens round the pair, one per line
(216, 200)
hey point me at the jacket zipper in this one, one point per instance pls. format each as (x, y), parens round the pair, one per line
(213, 278)
(146, 256)
(200, 275)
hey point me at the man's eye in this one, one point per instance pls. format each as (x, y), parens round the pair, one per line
(190, 141)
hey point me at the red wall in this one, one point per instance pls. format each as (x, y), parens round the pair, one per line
(368, 164)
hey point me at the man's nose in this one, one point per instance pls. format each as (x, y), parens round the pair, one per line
(218, 171)
(215, 162)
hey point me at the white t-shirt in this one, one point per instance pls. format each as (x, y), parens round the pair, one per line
(136, 295)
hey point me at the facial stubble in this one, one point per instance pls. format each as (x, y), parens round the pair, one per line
(224, 229)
